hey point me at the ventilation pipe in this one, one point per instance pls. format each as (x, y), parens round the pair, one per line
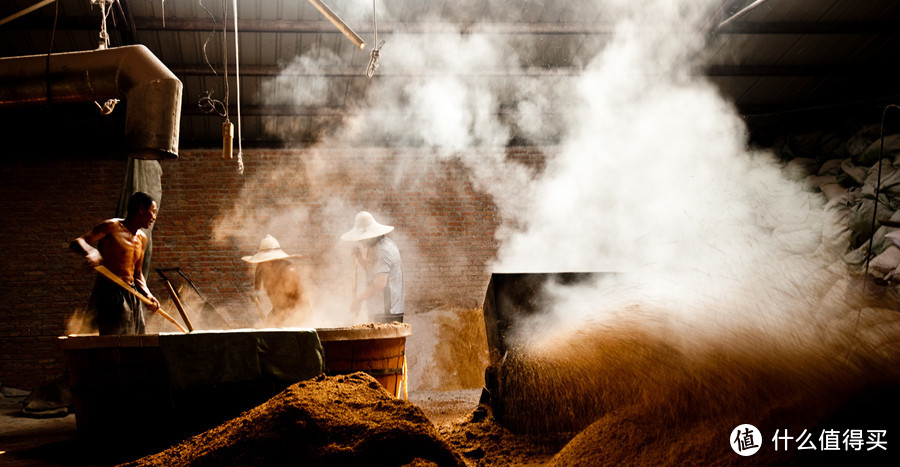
(151, 91)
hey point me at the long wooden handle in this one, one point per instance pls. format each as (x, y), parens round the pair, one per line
(118, 280)
(355, 282)
(180, 307)
(262, 315)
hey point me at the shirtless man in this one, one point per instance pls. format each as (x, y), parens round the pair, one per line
(120, 247)
(281, 280)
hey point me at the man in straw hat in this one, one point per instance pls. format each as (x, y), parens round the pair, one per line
(281, 280)
(383, 293)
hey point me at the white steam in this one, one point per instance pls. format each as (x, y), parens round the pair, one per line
(647, 172)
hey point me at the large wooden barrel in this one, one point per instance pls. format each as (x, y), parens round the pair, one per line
(376, 349)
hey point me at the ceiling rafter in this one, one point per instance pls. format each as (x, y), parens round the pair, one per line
(318, 27)
(535, 72)
(353, 72)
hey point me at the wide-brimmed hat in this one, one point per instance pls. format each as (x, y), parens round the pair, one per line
(365, 226)
(269, 249)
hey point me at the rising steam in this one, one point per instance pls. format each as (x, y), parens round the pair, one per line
(647, 175)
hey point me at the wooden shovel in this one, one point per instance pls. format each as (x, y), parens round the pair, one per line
(109, 275)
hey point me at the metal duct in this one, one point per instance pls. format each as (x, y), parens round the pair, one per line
(132, 73)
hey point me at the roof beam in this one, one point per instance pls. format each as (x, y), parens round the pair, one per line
(145, 23)
(824, 28)
(352, 71)
(320, 26)
(792, 70)
(188, 109)
(533, 72)
(273, 111)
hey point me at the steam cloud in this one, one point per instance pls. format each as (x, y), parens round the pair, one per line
(647, 174)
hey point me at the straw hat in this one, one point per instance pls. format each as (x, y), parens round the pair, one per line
(365, 226)
(269, 249)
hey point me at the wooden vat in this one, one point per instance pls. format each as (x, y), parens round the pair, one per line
(376, 349)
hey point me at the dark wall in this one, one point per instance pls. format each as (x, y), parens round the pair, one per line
(44, 205)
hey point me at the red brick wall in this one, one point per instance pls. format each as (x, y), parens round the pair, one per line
(44, 205)
(211, 215)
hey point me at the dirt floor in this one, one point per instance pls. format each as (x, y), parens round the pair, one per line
(27, 441)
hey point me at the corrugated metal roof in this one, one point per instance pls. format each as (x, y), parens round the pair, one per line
(777, 56)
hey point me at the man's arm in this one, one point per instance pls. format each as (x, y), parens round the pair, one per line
(379, 282)
(82, 244)
(139, 281)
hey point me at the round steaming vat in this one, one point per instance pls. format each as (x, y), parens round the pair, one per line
(374, 348)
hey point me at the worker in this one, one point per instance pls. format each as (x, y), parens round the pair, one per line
(383, 292)
(120, 245)
(273, 271)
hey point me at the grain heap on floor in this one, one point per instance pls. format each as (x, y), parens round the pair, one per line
(484, 442)
(337, 420)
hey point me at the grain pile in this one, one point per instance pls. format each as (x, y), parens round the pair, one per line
(483, 442)
(448, 350)
(339, 420)
(630, 398)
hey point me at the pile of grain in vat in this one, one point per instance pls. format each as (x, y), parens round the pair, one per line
(337, 420)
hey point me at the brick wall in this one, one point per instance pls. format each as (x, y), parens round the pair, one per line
(44, 205)
(211, 215)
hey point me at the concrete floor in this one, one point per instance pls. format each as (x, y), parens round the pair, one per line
(27, 441)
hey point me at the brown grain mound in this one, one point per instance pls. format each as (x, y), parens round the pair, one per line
(337, 420)
(484, 442)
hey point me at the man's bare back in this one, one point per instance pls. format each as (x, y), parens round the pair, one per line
(282, 283)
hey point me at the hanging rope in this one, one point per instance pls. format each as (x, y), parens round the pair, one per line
(225, 54)
(376, 52)
(50, 52)
(237, 85)
(104, 13)
(107, 107)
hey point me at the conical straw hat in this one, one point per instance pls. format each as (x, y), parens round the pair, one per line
(365, 226)
(269, 249)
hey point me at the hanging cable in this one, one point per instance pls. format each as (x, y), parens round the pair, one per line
(50, 52)
(376, 52)
(874, 218)
(877, 192)
(227, 126)
(206, 102)
(225, 53)
(237, 85)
